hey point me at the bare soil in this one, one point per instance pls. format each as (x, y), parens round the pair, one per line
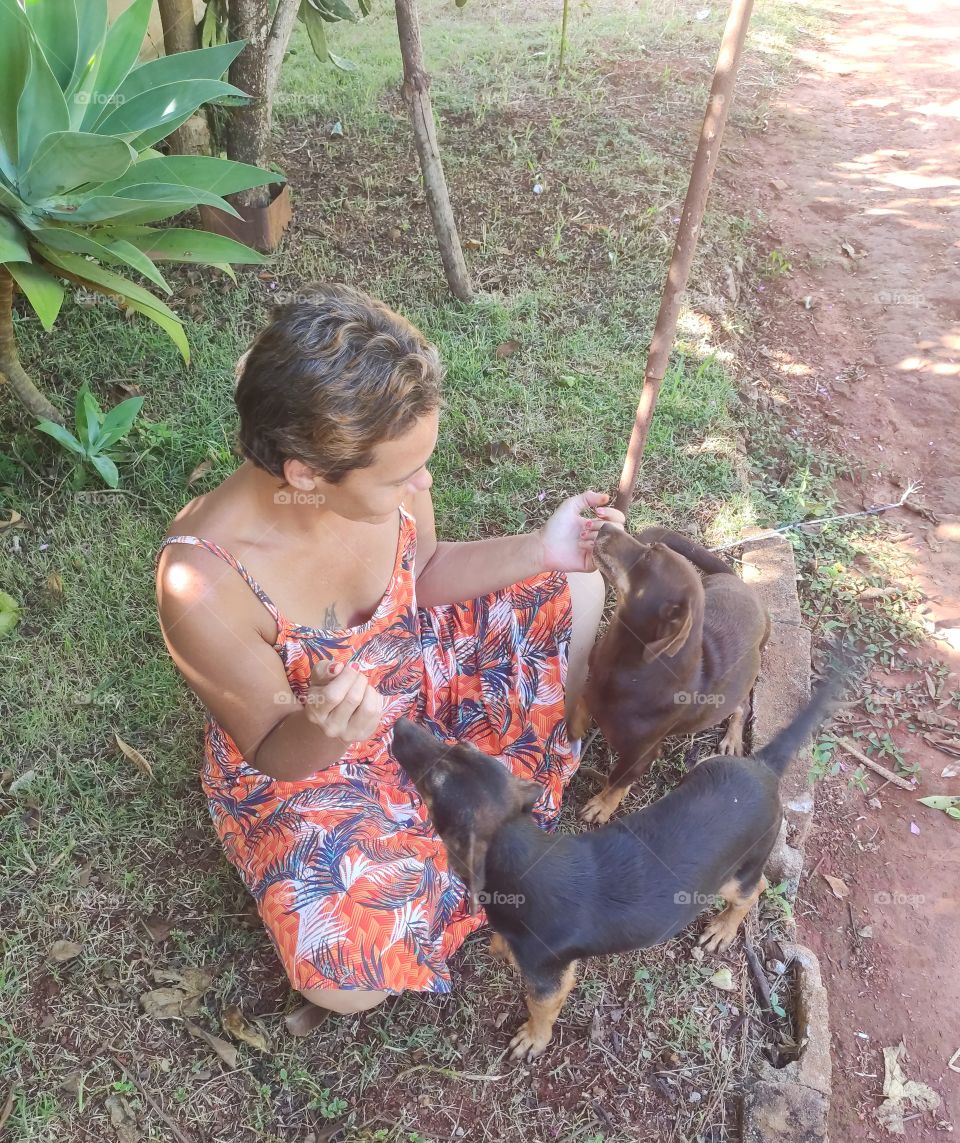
(857, 175)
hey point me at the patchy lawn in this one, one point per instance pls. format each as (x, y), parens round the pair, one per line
(543, 375)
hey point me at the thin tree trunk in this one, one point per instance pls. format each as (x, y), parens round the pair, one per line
(416, 95)
(180, 35)
(248, 128)
(21, 385)
(256, 71)
(694, 205)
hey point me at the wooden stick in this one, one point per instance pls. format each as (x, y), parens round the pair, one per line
(141, 1087)
(847, 745)
(759, 977)
(708, 150)
(416, 95)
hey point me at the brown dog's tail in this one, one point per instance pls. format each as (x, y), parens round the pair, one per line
(696, 553)
(781, 750)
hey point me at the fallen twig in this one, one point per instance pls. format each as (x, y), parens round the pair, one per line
(759, 977)
(847, 745)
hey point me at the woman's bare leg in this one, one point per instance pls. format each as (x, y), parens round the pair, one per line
(321, 1001)
(587, 592)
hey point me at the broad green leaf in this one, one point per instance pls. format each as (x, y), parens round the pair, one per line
(161, 105)
(149, 204)
(104, 247)
(364, 6)
(9, 613)
(87, 417)
(941, 801)
(66, 160)
(118, 422)
(13, 248)
(170, 326)
(204, 63)
(14, 63)
(41, 109)
(313, 22)
(333, 10)
(92, 33)
(121, 49)
(341, 62)
(102, 280)
(64, 436)
(42, 291)
(10, 202)
(107, 469)
(195, 246)
(54, 24)
(205, 172)
(127, 253)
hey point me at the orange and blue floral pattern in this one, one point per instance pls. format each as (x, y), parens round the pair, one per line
(351, 881)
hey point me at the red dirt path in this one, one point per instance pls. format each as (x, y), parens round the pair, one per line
(865, 151)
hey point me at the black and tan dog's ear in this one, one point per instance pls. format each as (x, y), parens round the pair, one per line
(673, 630)
(475, 861)
(415, 748)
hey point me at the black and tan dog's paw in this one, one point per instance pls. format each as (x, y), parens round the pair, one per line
(529, 1042)
(720, 933)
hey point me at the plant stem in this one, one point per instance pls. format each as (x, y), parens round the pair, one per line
(11, 370)
(563, 34)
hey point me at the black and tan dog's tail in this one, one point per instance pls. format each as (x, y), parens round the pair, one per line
(781, 750)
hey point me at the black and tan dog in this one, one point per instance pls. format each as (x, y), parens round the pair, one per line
(681, 653)
(553, 899)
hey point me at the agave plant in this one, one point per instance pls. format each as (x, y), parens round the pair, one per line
(80, 179)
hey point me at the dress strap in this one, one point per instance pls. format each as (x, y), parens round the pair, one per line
(224, 555)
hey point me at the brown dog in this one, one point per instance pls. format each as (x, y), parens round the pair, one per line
(681, 654)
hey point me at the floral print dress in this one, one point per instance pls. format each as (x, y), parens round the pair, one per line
(350, 880)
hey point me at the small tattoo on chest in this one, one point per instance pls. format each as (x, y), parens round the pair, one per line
(330, 620)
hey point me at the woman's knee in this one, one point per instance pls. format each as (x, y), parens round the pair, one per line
(345, 1001)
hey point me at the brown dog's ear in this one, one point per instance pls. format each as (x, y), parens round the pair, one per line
(673, 631)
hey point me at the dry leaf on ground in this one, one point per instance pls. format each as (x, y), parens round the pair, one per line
(235, 1024)
(135, 756)
(123, 1120)
(901, 1094)
(183, 999)
(62, 951)
(837, 884)
(226, 1052)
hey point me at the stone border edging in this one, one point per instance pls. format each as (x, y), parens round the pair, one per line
(789, 1104)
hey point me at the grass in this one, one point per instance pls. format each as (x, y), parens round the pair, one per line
(91, 849)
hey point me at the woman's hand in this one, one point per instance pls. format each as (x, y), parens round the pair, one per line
(341, 701)
(567, 538)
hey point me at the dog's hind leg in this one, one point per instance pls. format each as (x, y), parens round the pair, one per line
(719, 934)
(732, 741)
(545, 998)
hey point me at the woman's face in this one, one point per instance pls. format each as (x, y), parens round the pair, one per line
(398, 473)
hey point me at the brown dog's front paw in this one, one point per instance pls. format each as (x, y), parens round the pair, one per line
(601, 808)
(718, 936)
(528, 1043)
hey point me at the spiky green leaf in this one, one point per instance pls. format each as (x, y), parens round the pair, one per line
(121, 49)
(44, 293)
(66, 160)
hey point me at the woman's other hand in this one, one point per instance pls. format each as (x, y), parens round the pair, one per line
(568, 537)
(342, 703)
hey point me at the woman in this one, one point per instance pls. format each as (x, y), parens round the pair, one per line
(369, 618)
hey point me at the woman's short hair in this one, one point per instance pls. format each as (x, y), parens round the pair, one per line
(332, 376)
